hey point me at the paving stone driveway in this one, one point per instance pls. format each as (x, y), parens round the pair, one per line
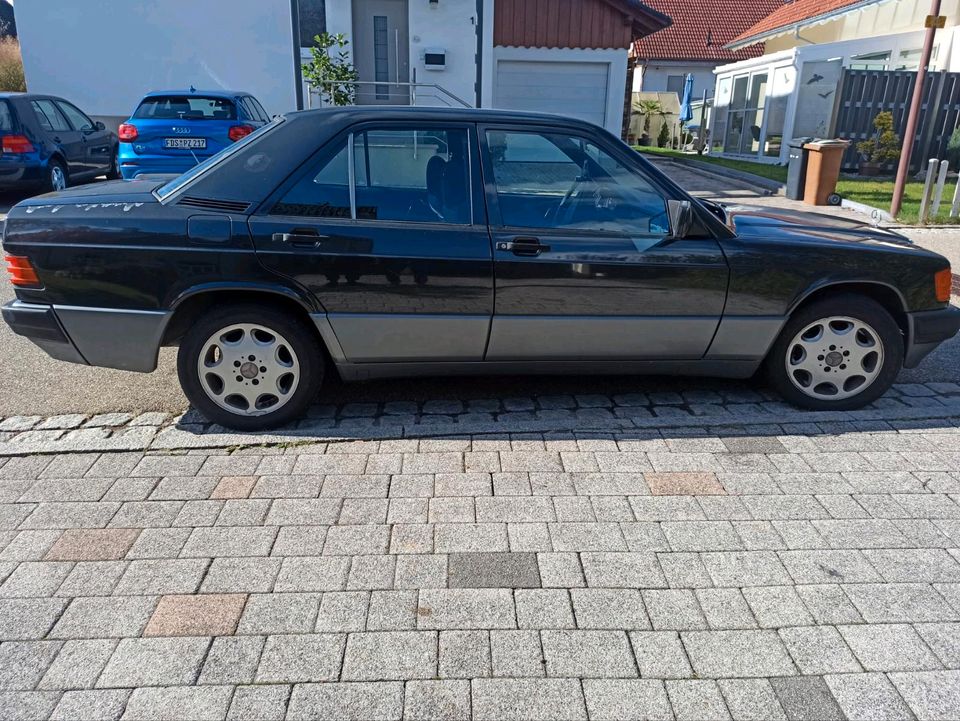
(751, 563)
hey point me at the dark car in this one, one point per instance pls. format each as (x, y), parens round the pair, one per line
(394, 242)
(49, 144)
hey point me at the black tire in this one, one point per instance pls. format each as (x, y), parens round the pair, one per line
(297, 334)
(853, 306)
(113, 173)
(49, 183)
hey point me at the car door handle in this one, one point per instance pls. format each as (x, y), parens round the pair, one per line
(523, 246)
(300, 240)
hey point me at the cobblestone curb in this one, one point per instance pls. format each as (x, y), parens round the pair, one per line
(743, 409)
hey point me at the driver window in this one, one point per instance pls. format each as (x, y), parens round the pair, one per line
(553, 180)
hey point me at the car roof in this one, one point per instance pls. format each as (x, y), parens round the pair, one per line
(354, 113)
(199, 93)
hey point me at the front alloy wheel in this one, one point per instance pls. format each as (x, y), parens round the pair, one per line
(834, 358)
(836, 354)
(250, 368)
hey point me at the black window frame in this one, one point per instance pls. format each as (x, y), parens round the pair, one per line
(331, 148)
(613, 150)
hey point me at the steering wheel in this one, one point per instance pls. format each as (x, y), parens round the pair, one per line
(553, 214)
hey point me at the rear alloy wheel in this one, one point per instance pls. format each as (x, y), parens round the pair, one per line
(56, 176)
(113, 172)
(837, 354)
(249, 368)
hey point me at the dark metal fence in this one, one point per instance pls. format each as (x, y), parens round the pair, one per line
(864, 93)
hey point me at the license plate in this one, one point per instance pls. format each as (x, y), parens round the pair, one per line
(185, 143)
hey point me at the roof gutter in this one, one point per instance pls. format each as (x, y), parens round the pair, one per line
(795, 27)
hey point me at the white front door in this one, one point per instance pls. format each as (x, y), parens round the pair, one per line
(381, 51)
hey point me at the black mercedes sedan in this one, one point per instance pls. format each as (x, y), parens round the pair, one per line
(375, 242)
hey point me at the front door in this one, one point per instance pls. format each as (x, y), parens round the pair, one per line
(97, 143)
(381, 51)
(393, 245)
(69, 141)
(585, 267)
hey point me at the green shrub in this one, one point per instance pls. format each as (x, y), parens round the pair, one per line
(953, 149)
(663, 137)
(884, 146)
(11, 66)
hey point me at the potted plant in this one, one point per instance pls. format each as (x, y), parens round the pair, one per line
(882, 148)
(648, 108)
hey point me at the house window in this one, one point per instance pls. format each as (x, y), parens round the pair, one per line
(909, 60)
(675, 84)
(313, 20)
(870, 61)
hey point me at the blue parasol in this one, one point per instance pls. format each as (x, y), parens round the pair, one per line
(686, 112)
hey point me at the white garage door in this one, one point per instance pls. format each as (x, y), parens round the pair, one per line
(575, 89)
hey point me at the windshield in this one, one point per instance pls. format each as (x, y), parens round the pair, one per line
(196, 171)
(186, 107)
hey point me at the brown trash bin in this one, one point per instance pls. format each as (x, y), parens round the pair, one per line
(823, 169)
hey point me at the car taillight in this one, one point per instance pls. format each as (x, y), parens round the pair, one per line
(239, 131)
(17, 144)
(127, 132)
(942, 281)
(21, 271)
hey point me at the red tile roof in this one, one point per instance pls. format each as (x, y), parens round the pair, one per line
(799, 11)
(701, 29)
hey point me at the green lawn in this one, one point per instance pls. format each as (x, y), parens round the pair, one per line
(876, 192)
(879, 192)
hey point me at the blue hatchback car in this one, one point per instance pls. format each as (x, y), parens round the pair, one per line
(173, 130)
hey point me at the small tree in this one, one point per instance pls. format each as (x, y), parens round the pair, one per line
(332, 74)
(663, 137)
(884, 146)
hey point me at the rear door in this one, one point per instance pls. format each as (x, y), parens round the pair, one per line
(585, 265)
(61, 133)
(385, 225)
(97, 144)
(184, 126)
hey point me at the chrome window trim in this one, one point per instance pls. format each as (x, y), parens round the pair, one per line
(352, 176)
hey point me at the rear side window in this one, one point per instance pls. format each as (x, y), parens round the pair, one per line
(322, 193)
(7, 124)
(49, 117)
(77, 119)
(186, 107)
(418, 176)
(252, 108)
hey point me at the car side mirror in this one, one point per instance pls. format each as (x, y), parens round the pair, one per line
(681, 218)
(100, 125)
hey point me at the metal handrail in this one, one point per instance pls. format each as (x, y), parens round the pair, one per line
(411, 86)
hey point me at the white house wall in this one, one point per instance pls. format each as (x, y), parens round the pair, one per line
(104, 61)
(652, 77)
